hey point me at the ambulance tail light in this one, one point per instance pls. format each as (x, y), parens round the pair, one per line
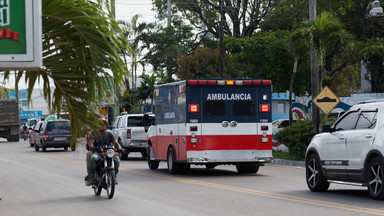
(193, 108)
(264, 127)
(193, 128)
(128, 133)
(264, 108)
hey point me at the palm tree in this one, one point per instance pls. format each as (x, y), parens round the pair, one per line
(147, 87)
(332, 42)
(82, 44)
(138, 40)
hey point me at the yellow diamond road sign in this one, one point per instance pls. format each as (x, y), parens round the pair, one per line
(326, 100)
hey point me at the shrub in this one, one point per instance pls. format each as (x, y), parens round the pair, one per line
(297, 137)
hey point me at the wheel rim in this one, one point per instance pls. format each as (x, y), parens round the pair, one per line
(375, 178)
(110, 182)
(313, 170)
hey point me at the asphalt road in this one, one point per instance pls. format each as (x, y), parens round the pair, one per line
(51, 183)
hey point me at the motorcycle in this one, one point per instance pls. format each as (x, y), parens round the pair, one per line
(105, 171)
(24, 135)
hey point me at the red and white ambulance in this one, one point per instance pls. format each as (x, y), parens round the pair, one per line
(212, 122)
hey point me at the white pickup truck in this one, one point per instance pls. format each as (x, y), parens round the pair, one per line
(130, 130)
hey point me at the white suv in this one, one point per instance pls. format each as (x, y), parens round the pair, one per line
(350, 152)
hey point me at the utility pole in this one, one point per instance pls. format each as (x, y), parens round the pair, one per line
(315, 82)
(221, 43)
(116, 110)
(169, 13)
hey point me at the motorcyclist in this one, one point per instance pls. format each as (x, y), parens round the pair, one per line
(24, 129)
(103, 138)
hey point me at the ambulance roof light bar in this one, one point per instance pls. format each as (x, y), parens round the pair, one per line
(229, 82)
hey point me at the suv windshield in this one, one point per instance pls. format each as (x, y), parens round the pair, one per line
(58, 125)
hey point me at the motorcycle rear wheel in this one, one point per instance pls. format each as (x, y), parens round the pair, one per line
(110, 184)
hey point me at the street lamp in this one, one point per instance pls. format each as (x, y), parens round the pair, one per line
(376, 9)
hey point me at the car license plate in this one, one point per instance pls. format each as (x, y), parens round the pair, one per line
(60, 138)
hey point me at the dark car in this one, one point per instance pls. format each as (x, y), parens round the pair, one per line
(32, 133)
(53, 134)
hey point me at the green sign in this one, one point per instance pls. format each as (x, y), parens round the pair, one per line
(20, 35)
(12, 27)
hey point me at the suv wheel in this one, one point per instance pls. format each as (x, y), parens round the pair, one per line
(375, 178)
(316, 180)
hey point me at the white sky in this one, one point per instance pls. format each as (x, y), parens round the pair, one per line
(125, 10)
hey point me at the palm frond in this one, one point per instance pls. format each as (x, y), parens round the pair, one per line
(82, 45)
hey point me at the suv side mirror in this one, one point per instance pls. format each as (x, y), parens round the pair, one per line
(326, 128)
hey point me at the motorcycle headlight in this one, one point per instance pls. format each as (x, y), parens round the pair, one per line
(110, 153)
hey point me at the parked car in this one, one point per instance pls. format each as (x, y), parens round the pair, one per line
(130, 130)
(32, 133)
(53, 134)
(350, 152)
(278, 125)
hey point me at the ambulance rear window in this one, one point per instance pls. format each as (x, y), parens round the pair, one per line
(244, 108)
(214, 108)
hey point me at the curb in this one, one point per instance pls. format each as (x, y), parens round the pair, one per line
(278, 161)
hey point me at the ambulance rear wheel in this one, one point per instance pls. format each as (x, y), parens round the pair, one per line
(247, 168)
(173, 167)
(210, 166)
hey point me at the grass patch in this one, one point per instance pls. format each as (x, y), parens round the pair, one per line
(283, 155)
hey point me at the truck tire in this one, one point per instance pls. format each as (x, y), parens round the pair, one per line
(13, 138)
(144, 154)
(173, 167)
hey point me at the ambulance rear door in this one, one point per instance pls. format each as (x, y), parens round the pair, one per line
(229, 116)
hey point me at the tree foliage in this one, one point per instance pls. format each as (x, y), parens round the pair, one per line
(168, 45)
(203, 63)
(333, 45)
(297, 137)
(242, 17)
(372, 53)
(264, 56)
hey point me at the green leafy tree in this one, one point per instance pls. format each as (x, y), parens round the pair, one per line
(203, 63)
(264, 56)
(81, 43)
(168, 45)
(242, 17)
(372, 53)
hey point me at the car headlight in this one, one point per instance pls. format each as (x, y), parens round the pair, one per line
(110, 153)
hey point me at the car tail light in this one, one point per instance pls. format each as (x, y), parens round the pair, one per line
(45, 136)
(128, 133)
